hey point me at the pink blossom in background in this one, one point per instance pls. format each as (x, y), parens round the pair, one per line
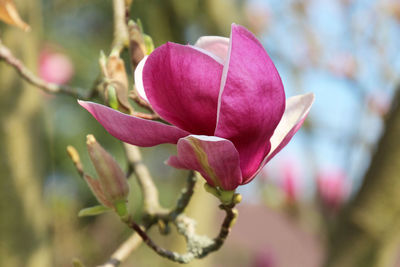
(263, 258)
(379, 102)
(333, 188)
(55, 67)
(224, 100)
(344, 64)
(290, 180)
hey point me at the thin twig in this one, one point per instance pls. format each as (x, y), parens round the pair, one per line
(124, 250)
(135, 97)
(197, 246)
(159, 250)
(229, 221)
(120, 40)
(150, 193)
(185, 196)
(52, 88)
(146, 116)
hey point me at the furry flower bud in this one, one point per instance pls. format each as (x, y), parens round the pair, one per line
(111, 179)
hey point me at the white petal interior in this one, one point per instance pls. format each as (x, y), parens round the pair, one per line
(217, 45)
(208, 53)
(139, 79)
(224, 75)
(296, 108)
(207, 138)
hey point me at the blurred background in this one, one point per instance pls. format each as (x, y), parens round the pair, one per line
(345, 51)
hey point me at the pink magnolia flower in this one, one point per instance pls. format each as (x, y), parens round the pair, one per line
(55, 67)
(290, 180)
(224, 100)
(332, 188)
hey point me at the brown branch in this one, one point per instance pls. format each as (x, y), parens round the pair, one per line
(121, 38)
(197, 246)
(185, 196)
(150, 193)
(124, 250)
(52, 88)
(229, 221)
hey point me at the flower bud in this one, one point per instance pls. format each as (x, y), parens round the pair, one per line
(111, 179)
(137, 43)
(115, 82)
(97, 191)
(9, 14)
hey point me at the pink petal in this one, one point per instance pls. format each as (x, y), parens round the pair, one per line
(133, 130)
(297, 108)
(215, 44)
(139, 80)
(251, 100)
(182, 86)
(215, 158)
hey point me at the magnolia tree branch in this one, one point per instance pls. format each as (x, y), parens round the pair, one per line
(120, 30)
(124, 250)
(52, 88)
(186, 195)
(198, 246)
(150, 193)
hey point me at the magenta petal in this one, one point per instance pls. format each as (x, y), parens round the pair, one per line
(297, 108)
(182, 85)
(251, 101)
(215, 158)
(133, 130)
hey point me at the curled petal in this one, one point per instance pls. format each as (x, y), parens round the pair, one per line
(182, 85)
(214, 44)
(297, 108)
(251, 99)
(133, 130)
(215, 158)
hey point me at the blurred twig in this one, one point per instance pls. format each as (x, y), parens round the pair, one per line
(124, 250)
(52, 88)
(150, 192)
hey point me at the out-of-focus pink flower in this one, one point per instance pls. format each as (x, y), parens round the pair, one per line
(55, 67)
(378, 102)
(344, 64)
(225, 101)
(333, 189)
(263, 259)
(257, 15)
(290, 180)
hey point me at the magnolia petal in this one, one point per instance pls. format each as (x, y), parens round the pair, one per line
(297, 108)
(182, 86)
(251, 99)
(217, 45)
(133, 130)
(139, 79)
(215, 158)
(208, 53)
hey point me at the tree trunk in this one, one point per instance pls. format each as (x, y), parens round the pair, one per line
(23, 225)
(368, 232)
